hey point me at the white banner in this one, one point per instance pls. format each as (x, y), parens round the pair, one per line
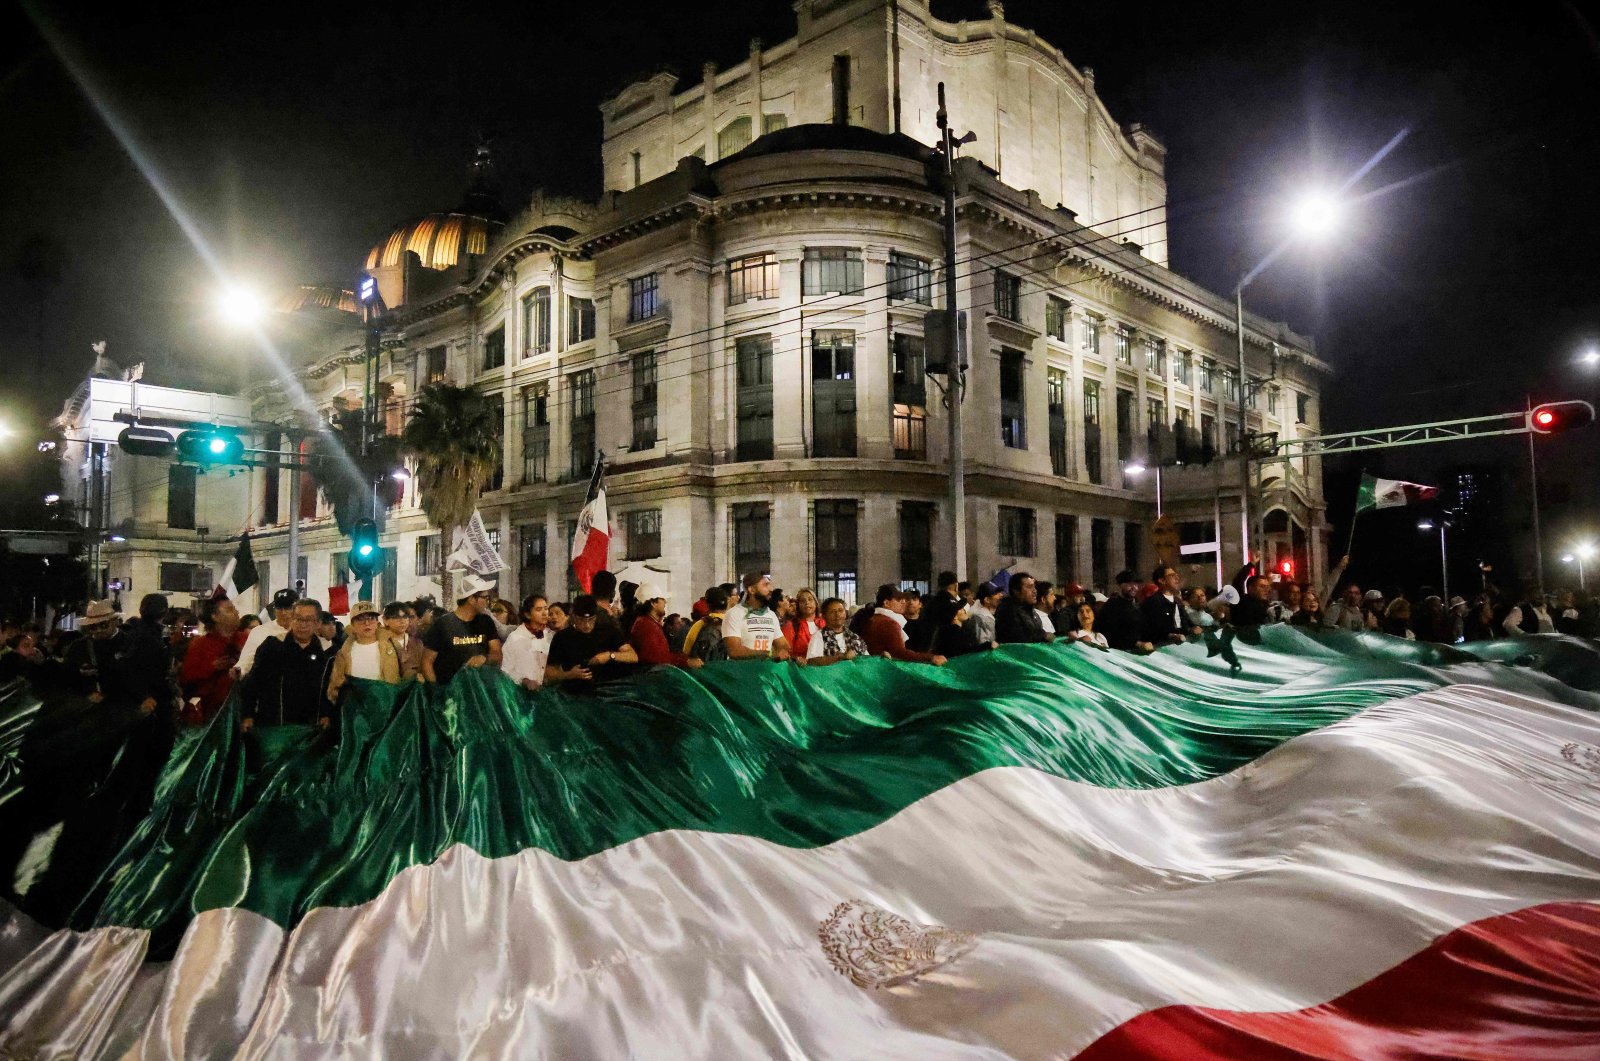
(473, 549)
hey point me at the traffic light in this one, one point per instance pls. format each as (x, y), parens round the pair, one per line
(1554, 417)
(1286, 568)
(211, 446)
(145, 442)
(365, 556)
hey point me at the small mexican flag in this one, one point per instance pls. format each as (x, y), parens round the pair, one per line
(1391, 493)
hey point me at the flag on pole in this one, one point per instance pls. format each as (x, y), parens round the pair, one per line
(1391, 493)
(591, 541)
(240, 574)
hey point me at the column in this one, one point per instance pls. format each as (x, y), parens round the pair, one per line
(709, 110)
(791, 367)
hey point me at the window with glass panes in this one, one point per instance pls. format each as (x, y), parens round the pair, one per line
(1091, 430)
(735, 136)
(1155, 357)
(1091, 334)
(1272, 399)
(644, 297)
(581, 386)
(1056, 399)
(1015, 531)
(644, 400)
(533, 546)
(497, 406)
(437, 364)
(580, 319)
(1302, 408)
(1180, 366)
(1231, 432)
(1127, 417)
(831, 271)
(1013, 422)
(1066, 547)
(1208, 436)
(753, 276)
(753, 357)
(1007, 295)
(428, 556)
(1057, 317)
(271, 481)
(837, 549)
(833, 392)
(642, 528)
(536, 322)
(1230, 389)
(910, 413)
(772, 123)
(916, 545)
(494, 348)
(536, 433)
(1124, 347)
(752, 537)
(910, 279)
(1203, 370)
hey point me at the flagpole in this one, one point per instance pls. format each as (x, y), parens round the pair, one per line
(1351, 542)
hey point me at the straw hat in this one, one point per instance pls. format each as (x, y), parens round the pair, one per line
(100, 611)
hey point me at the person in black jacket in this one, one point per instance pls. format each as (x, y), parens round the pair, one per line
(1255, 598)
(287, 685)
(1120, 619)
(1162, 612)
(938, 612)
(1016, 621)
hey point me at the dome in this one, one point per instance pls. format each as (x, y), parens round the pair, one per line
(441, 240)
(319, 296)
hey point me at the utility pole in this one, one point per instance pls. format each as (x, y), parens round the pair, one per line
(294, 508)
(1244, 431)
(955, 368)
(1533, 475)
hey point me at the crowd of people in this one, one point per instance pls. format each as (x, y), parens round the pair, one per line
(179, 666)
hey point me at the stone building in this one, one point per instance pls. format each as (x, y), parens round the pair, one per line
(740, 325)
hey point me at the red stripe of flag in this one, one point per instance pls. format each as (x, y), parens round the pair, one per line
(1520, 987)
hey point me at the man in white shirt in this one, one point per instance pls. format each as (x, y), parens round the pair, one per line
(751, 630)
(283, 612)
(527, 649)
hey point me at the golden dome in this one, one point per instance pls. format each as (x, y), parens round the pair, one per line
(440, 240)
(319, 296)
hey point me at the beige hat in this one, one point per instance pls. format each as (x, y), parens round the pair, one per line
(649, 591)
(100, 611)
(364, 608)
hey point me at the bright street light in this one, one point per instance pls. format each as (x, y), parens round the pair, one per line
(1586, 550)
(1590, 357)
(240, 306)
(400, 475)
(1315, 215)
(1136, 468)
(51, 499)
(1425, 525)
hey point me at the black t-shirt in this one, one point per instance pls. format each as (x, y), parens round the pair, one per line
(572, 648)
(457, 641)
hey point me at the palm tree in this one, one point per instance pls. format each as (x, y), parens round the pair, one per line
(454, 436)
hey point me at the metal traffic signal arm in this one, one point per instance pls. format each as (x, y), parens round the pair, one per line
(249, 458)
(1549, 418)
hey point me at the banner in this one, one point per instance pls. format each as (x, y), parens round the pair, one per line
(473, 550)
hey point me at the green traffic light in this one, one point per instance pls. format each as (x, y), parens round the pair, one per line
(365, 550)
(219, 445)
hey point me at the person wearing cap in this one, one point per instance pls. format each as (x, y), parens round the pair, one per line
(648, 635)
(463, 638)
(1120, 619)
(527, 652)
(282, 615)
(982, 615)
(208, 666)
(704, 640)
(750, 629)
(587, 653)
(368, 652)
(399, 619)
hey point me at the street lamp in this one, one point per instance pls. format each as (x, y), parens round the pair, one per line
(1581, 552)
(240, 306)
(1313, 218)
(1137, 468)
(1440, 524)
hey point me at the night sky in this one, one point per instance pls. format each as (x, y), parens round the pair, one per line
(295, 136)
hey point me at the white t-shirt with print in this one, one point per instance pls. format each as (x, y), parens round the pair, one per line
(757, 630)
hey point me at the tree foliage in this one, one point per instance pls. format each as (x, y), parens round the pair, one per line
(454, 437)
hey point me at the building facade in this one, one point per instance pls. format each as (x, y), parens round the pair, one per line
(740, 325)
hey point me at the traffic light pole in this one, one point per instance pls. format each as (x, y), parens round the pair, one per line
(1533, 476)
(955, 370)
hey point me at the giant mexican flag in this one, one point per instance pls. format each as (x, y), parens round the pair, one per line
(1350, 847)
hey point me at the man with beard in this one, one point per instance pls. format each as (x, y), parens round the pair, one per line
(1016, 621)
(750, 629)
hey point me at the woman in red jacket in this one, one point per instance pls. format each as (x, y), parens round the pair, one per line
(807, 620)
(647, 635)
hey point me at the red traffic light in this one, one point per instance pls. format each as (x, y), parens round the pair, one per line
(1554, 417)
(1287, 567)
